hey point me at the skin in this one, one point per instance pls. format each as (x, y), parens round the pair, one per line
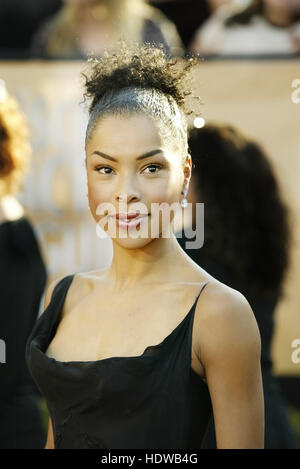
(151, 285)
(279, 12)
(93, 33)
(215, 4)
(98, 27)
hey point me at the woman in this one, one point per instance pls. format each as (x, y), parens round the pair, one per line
(23, 279)
(135, 355)
(247, 244)
(264, 27)
(82, 27)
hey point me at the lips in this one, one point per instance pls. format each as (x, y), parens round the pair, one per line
(126, 216)
(129, 220)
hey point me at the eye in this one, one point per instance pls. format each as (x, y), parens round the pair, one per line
(103, 167)
(152, 169)
(152, 166)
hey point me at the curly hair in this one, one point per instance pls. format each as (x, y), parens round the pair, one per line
(247, 226)
(15, 149)
(141, 78)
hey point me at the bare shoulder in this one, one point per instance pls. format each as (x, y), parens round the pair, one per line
(71, 293)
(49, 290)
(81, 285)
(225, 320)
(222, 302)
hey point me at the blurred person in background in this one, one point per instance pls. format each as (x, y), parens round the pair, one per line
(247, 239)
(263, 27)
(84, 27)
(188, 15)
(23, 278)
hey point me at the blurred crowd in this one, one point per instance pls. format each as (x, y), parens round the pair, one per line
(75, 29)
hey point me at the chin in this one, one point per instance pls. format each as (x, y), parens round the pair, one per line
(132, 243)
(136, 239)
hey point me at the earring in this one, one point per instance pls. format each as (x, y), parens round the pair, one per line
(184, 201)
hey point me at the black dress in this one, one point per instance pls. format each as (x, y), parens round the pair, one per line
(278, 432)
(154, 400)
(23, 279)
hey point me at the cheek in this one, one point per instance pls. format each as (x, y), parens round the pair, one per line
(161, 192)
(157, 193)
(97, 194)
(167, 189)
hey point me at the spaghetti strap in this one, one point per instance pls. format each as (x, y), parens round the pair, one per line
(197, 298)
(61, 288)
(203, 288)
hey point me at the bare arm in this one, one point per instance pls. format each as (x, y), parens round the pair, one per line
(229, 349)
(50, 438)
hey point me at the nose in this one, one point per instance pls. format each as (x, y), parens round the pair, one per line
(126, 192)
(127, 198)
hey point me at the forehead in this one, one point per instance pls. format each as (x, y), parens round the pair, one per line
(128, 135)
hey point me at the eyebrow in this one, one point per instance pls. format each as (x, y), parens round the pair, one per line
(141, 157)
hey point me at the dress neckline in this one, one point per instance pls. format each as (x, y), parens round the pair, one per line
(115, 358)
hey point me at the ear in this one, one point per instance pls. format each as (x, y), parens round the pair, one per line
(187, 169)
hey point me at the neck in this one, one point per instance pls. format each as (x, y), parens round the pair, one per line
(157, 260)
(278, 17)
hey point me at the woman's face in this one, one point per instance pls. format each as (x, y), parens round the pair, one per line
(129, 168)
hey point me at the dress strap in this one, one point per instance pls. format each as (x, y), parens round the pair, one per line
(49, 317)
(60, 290)
(190, 327)
(202, 289)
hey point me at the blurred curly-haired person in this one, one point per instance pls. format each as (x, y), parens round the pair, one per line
(247, 238)
(23, 279)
